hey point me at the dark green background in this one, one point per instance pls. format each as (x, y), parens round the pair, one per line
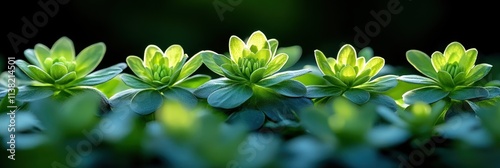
(127, 27)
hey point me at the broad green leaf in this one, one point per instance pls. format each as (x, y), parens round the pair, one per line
(366, 53)
(380, 84)
(56, 71)
(290, 88)
(257, 75)
(331, 61)
(191, 66)
(193, 82)
(454, 48)
(259, 40)
(348, 74)
(334, 81)
(42, 52)
(323, 64)
(294, 53)
(32, 93)
(236, 46)
(149, 52)
(158, 60)
(438, 60)
(347, 55)
(383, 100)
(477, 73)
(230, 97)
(63, 47)
(175, 54)
(375, 64)
(469, 59)
(182, 95)
(264, 54)
(428, 94)
(134, 82)
(493, 91)
(101, 76)
(360, 63)
(227, 69)
(445, 79)
(213, 61)
(66, 78)
(459, 78)
(469, 93)
(251, 118)
(318, 91)
(146, 101)
(421, 62)
(276, 64)
(211, 86)
(89, 58)
(357, 96)
(362, 77)
(282, 76)
(40, 74)
(122, 99)
(23, 65)
(30, 56)
(417, 79)
(136, 65)
(273, 44)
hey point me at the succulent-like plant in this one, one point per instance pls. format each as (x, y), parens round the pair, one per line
(448, 75)
(161, 75)
(56, 71)
(251, 83)
(350, 76)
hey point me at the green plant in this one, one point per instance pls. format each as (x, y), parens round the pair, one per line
(58, 72)
(250, 81)
(351, 77)
(161, 75)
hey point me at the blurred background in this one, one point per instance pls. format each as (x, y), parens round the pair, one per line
(128, 26)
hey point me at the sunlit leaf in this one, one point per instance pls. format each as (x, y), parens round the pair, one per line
(421, 62)
(429, 94)
(231, 96)
(89, 58)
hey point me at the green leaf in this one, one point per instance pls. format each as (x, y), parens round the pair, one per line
(40, 74)
(469, 93)
(362, 77)
(136, 65)
(348, 74)
(63, 47)
(146, 101)
(290, 88)
(493, 91)
(213, 61)
(428, 94)
(134, 82)
(236, 46)
(445, 79)
(101, 76)
(469, 59)
(227, 69)
(193, 82)
(263, 54)
(56, 71)
(357, 96)
(181, 95)
(211, 86)
(360, 63)
(421, 62)
(30, 56)
(294, 53)
(323, 64)
(273, 44)
(230, 97)
(149, 53)
(259, 40)
(454, 48)
(459, 78)
(23, 65)
(122, 99)
(347, 55)
(252, 119)
(42, 52)
(477, 73)
(417, 79)
(334, 81)
(365, 53)
(276, 64)
(191, 66)
(384, 100)
(89, 58)
(257, 75)
(380, 84)
(375, 64)
(175, 54)
(32, 93)
(318, 91)
(282, 76)
(438, 60)
(66, 78)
